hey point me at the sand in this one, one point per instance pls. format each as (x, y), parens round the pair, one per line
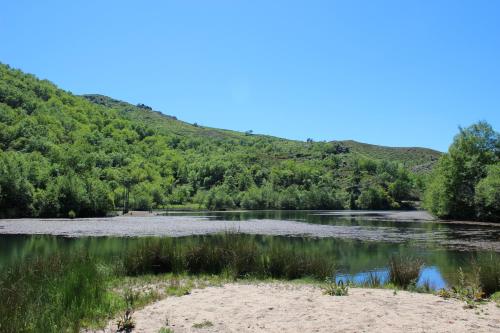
(287, 307)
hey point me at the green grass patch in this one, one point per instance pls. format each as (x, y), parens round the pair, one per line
(203, 324)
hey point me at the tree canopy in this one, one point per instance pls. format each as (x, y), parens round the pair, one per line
(466, 182)
(67, 155)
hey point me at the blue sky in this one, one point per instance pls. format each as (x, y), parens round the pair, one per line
(398, 73)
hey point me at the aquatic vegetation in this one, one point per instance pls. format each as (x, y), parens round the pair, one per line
(467, 289)
(404, 271)
(233, 254)
(487, 269)
(373, 280)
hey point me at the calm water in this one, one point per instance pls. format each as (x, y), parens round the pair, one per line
(444, 247)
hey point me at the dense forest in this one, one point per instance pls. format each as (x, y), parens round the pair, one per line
(66, 155)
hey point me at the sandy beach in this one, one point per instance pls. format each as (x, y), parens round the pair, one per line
(288, 307)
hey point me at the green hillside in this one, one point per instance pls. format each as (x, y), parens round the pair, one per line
(416, 158)
(62, 154)
(419, 159)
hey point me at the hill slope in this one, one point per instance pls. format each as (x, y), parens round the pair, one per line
(86, 155)
(413, 157)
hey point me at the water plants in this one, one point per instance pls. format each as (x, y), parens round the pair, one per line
(373, 280)
(404, 271)
(231, 253)
(486, 267)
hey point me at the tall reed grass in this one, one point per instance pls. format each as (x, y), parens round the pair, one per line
(233, 253)
(55, 294)
(404, 271)
(487, 268)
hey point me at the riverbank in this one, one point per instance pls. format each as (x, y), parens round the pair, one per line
(292, 307)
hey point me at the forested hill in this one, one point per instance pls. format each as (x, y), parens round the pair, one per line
(416, 158)
(67, 155)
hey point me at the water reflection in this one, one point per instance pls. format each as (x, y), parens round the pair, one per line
(353, 258)
(430, 275)
(457, 236)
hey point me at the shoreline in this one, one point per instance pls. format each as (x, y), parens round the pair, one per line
(299, 307)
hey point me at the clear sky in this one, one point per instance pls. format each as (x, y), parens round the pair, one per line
(398, 73)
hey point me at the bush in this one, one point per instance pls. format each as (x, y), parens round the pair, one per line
(374, 197)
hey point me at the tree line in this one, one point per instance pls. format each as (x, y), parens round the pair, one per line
(65, 155)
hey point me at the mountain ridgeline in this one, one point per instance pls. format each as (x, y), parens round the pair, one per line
(65, 155)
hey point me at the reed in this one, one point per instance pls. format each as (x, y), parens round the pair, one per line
(53, 294)
(404, 271)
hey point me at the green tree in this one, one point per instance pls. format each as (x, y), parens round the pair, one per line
(487, 196)
(451, 192)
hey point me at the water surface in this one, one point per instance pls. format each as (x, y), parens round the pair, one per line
(357, 244)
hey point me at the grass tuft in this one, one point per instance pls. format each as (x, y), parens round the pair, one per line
(333, 288)
(404, 271)
(203, 324)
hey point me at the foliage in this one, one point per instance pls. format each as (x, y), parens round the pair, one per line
(487, 194)
(61, 153)
(466, 182)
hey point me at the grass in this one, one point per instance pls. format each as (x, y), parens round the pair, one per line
(231, 254)
(333, 288)
(487, 268)
(481, 283)
(65, 293)
(373, 280)
(165, 330)
(404, 271)
(54, 294)
(203, 324)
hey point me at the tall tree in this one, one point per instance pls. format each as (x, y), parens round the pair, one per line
(451, 192)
